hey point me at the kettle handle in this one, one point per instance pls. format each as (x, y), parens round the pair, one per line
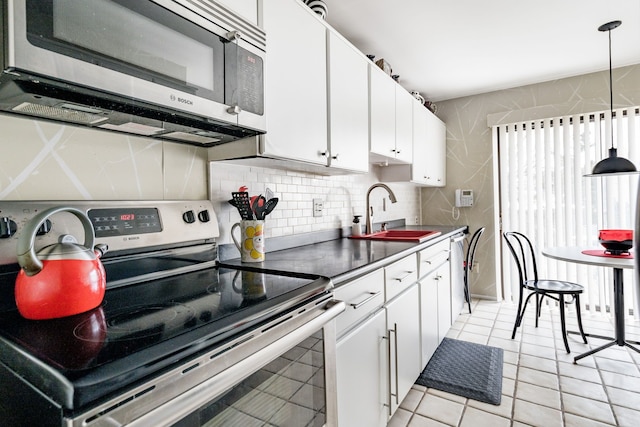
(27, 257)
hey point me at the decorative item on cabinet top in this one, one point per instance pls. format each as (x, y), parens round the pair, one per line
(384, 66)
(428, 104)
(318, 6)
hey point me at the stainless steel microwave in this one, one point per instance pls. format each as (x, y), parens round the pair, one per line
(190, 71)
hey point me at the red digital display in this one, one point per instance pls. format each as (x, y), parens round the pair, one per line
(127, 217)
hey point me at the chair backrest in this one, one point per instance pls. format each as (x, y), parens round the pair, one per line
(471, 250)
(523, 255)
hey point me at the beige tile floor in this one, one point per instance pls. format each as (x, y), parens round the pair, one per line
(541, 385)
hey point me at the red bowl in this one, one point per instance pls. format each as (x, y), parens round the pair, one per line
(616, 241)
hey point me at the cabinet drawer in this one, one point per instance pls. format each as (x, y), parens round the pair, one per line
(362, 296)
(432, 257)
(399, 276)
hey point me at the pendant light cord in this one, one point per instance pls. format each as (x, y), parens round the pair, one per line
(611, 86)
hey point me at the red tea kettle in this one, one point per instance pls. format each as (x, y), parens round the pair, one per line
(63, 279)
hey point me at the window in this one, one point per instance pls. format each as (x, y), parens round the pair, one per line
(544, 194)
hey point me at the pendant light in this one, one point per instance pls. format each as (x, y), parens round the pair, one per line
(612, 164)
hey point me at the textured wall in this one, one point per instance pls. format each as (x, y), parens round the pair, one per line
(470, 147)
(48, 161)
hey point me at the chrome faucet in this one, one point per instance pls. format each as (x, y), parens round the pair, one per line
(392, 197)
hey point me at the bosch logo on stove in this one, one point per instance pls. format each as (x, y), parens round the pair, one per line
(181, 100)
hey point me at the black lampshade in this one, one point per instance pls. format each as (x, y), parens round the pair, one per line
(613, 164)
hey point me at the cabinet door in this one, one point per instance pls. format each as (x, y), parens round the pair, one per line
(443, 281)
(348, 106)
(361, 375)
(403, 324)
(382, 104)
(421, 153)
(296, 82)
(429, 338)
(437, 142)
(404, 125)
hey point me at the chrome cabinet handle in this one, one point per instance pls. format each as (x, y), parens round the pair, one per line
(388, 338)
(371, 296)
(400, 279)
(395, 335)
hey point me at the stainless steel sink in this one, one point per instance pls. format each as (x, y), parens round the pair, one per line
(416, 236)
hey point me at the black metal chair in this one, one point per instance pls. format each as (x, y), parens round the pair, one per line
(524, 257)
(468, 263)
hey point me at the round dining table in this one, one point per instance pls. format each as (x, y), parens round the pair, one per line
(597, 257)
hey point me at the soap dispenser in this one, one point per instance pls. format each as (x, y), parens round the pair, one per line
(356, 229)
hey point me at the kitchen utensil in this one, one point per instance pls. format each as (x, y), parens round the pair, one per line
(270, 204)
(269, 194)
(251, 243)
(258, 206)
(62, 279)
(241, 199)
(616, 242)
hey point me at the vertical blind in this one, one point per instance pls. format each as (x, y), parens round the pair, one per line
(544, 195)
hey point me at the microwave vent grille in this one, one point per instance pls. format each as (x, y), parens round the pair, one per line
(57, 113)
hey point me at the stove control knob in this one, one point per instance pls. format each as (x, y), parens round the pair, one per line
(204, 216)
(8, 227)
(189, 217)
(44, 228)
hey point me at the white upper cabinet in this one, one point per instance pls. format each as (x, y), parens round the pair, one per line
(348, 106)
(404, 125)
(382, 104)
(429, 152)
(390, 119)
(296, 82)
(434, 162)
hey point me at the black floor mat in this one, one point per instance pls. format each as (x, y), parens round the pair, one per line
(467, 369)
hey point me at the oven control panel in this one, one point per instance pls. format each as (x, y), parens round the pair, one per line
(121, 225)
(124, 221)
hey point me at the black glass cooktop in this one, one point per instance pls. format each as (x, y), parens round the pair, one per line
(142, 328)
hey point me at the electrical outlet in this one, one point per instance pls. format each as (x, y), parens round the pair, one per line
(416, 220)
(318, 207)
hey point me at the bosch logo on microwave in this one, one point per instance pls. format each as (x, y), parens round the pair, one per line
(181, 100)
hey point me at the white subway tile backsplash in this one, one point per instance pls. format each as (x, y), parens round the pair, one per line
(343, 195)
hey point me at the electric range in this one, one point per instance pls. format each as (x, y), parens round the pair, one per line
(169, 302)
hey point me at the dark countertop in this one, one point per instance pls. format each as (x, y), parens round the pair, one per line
(344, 259)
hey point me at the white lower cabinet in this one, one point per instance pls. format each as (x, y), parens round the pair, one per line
(429, 337)
(361, 372)
(443, 282)
(403, 332)
(435, 297)
(385, 342)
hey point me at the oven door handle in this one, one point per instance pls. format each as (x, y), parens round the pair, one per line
(188, 402)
